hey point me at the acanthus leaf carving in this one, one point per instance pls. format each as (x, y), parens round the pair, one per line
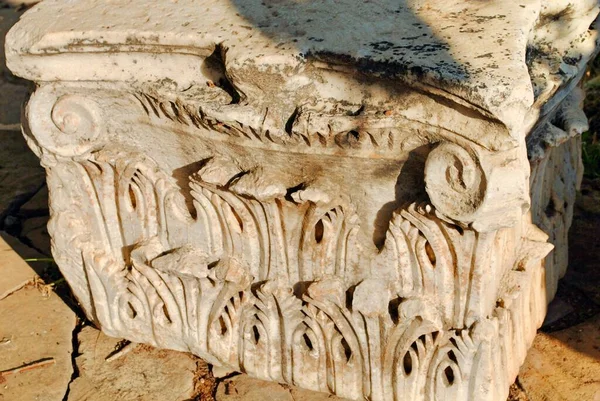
(351, 218)
(210, 288)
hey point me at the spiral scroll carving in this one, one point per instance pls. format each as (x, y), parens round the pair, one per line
(72, 115)
(455, 182)
(65, 124)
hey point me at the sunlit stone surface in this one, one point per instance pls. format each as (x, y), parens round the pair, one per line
(350, 197)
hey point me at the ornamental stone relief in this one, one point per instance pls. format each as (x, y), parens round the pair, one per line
(227, 282)
(371, 217)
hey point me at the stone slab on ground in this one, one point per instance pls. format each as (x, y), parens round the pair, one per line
(15, 273)
(245, 388)
(144, 373)
(35, 327)
(26, 252)
(23, 250)
(564, 365)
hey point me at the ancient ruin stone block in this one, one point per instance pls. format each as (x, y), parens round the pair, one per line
(350, 197)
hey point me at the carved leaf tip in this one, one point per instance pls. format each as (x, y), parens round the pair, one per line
(328, 289)
(372, 297)
(186, 261)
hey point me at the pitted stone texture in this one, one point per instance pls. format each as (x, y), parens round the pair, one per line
(144, 373)
(34, 327)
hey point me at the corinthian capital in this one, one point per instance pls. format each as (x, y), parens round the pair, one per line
(334, 195)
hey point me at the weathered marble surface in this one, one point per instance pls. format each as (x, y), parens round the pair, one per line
(476, 51)
(339, 196)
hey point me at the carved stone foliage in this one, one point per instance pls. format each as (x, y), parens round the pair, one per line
(354, 130)
(301, 241)
(345, 209)
(359, 131)
(277, 280)
(554, 149)
(272, 288)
